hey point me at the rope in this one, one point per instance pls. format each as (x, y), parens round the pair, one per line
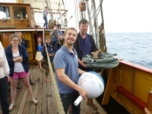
(102, 33)
(95, 12)
(55, 88)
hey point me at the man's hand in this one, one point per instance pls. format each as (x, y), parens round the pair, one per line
(82, 92)
(82, 64)
(51, 55)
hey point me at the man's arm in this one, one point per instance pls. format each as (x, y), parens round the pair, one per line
(82, 63)
(81, 71)
(51, 33)
(67, 81)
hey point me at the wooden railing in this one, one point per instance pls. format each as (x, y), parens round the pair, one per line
(55, 88)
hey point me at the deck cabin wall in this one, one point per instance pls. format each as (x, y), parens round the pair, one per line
(19, 16)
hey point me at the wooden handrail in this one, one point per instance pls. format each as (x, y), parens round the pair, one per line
(138, 102)
(55, 88)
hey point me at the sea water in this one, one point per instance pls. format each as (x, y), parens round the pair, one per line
(133, 47)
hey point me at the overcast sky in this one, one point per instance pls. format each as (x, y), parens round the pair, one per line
(128, 15)
(124, 15)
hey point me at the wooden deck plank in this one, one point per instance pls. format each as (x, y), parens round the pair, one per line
(44, 111)
(27, 103)
(22, 104)
(82, 110)
(100, 109)
(39, 96)
(19, 96)
(35, 90)
(85, 107)
(49, 99)
(27, 106)
(54, 101)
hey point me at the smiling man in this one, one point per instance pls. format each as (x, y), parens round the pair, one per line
(67, 71)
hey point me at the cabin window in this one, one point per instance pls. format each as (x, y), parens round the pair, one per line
(4, 12)
(20, 13)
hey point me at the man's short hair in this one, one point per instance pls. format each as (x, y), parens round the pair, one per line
(47, 37)
(83, 21)
(71, 28)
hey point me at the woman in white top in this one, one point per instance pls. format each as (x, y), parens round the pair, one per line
(4, 72)
(17, 58)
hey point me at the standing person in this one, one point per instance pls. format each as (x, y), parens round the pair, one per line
(51, 55)
(45, 13)
(67, 72)
(4, 72)
(39, 56)
(54, 34)
(17, 58)
(84, 45)
(59, 42)
(24, 43)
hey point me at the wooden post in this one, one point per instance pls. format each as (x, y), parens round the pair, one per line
(148, 109)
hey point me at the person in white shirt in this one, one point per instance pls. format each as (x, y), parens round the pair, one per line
(4, 72)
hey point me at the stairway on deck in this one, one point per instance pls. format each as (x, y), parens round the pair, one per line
(43, 92)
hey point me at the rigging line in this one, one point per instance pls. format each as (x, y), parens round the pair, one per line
(63, 4)
(92, 17)
(93, 24)
(95, 21)
(72, 14)
(50, 10)
(76, 13)
(69, 4)
(98, 9)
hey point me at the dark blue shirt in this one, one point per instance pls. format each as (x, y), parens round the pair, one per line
(50, 51)
(85, 45)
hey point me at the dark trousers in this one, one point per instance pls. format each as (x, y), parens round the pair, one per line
(45, 24)
(68, 99)
(4, 95)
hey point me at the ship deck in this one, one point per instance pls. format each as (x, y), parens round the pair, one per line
(43, 91)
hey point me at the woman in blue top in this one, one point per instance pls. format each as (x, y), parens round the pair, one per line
(39, 56)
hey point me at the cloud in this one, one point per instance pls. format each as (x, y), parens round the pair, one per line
(127, 15)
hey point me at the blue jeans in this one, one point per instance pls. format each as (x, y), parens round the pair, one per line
(45, 24)
(68, 99)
